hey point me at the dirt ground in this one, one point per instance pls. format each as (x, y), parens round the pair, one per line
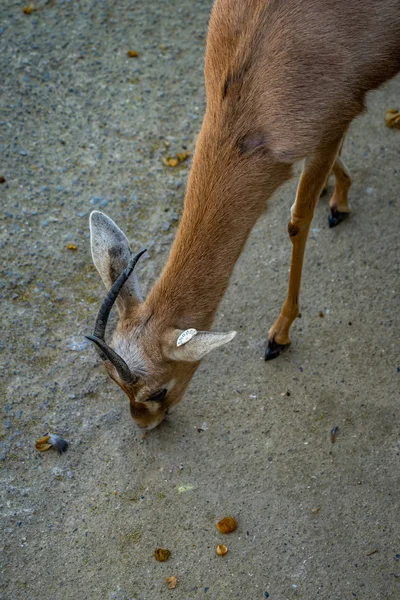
(84, 126)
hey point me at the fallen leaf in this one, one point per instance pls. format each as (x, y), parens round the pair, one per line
(174, 161)
(392, 118)
(221, 549)
(29, 9)
(162, 554)
(181, 156)
(132, 54)
(52, 441)
(185, 488)
(170, 162)
(172, 581)
(227, 525)
(43, 444)
(72, 247)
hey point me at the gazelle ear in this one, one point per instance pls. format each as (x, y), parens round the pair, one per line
(191, 345)
(111, 254)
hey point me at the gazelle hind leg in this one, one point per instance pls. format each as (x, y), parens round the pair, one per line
(326, 184)
(313, 177)
(339, 204)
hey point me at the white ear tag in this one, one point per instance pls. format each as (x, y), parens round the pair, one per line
(185, 336)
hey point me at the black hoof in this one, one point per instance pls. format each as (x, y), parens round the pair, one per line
(336, 217)
(274, 349)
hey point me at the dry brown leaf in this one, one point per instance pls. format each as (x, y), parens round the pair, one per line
(170, 162)
(174, 161)
(227, 525)
(392, 118)
(133, 54)
(172, 581)
(181, 156)
(221, 549)
(43, 444)
(162, 554)
(52, 441)
(72, 247)
(29, 9)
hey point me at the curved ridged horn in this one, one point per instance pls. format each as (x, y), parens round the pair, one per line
(108, 353)
(108, 302)
(105, 352)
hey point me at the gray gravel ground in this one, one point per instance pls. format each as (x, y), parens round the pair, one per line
(83, 126)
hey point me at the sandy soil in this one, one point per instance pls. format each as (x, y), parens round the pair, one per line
(84, 126)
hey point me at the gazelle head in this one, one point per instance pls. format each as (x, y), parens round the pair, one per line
(150, 359)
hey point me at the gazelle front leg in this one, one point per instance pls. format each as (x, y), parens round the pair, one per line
(313, 177)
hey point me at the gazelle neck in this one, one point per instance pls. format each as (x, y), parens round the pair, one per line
(226, 193)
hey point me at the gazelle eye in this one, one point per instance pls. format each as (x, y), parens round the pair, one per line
(158, 396)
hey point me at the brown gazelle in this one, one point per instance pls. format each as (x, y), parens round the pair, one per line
(284, 80)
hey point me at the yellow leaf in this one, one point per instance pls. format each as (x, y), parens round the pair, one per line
(392, 118)
(181, 156)
(42, 445)
(221, 549)
(171, 161)
(28, 10)
(227, 525)
(172, 581)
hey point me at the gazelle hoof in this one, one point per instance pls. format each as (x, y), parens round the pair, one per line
(336, 217)
(274, 349)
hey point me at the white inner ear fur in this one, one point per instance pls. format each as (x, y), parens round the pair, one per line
(195, 348)
(111, 254)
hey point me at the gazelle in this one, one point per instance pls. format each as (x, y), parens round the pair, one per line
(284, 80)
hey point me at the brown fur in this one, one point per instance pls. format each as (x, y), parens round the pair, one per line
(284, 80)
